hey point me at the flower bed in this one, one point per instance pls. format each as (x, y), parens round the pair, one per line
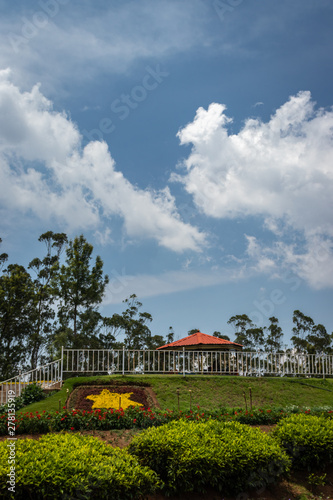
(139, 417)
(99, 397)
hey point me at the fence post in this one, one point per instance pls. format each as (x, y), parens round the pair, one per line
(259, 363)
(61, 365)
(123, 360)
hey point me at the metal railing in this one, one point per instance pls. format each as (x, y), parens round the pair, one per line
(133, 361)
(47, 376)
(195, 362)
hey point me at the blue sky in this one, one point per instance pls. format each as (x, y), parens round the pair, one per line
(190, 141)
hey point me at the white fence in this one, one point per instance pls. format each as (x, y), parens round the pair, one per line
(47, 376)
(102, 361)
(195, 362)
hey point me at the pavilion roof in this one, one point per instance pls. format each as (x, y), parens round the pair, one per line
(200, 339)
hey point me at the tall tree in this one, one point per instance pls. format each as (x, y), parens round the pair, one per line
(250, 336)
(17, 318)
(194, 330)
(79, 286)
(3, 257)
(273, 341)
(303, 326)
(220, 335)
(242, 323)
(45, 270)
(319, 340)
(135, 325)
(170, 337)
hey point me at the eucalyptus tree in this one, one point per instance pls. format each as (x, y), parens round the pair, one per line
(303, 326)
(274, 338)
(170, 337)
(45, 270)
(3, 257)
(135, 325)
(319, 340)
(220, 335)
(79, 286)
(18, 316)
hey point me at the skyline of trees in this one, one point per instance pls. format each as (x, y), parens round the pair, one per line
(55, 302)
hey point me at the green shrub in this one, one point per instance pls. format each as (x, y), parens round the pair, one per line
(72, 466)
(307, 439)
(228, 456)
(32, 393)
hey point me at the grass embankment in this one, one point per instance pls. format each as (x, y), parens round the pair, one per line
(210, 392)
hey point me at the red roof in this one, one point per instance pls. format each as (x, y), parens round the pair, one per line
(199, 339)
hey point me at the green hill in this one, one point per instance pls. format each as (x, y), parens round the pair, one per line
(210, 392)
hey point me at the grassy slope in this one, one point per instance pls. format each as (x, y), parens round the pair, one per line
(210, 392)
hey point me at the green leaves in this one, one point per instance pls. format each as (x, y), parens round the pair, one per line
(307, 439)
(81, 467)
(79, 287)
(192, 456)
(17, 317)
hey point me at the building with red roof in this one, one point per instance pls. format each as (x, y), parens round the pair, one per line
(201, 342)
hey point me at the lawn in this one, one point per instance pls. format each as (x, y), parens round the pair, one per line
(211, 392)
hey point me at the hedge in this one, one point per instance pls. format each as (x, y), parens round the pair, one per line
(307, 439)
(227, 456)
(67, 466)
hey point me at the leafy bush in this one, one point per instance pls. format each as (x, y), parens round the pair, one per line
(72, 466)
(227, 456)
(30, 394)
(108, 419)
(307, 439)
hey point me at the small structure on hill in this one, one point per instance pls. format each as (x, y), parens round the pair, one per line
(204, 353)
(201, 342)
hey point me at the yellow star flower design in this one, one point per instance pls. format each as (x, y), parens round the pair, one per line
(107, 399)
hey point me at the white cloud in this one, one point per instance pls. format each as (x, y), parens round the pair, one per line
(84, 39)
(281, 171)
(144, 285)
(44, 171)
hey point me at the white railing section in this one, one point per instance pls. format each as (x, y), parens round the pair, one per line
(47, 376)
(195, 362)
(133, 361)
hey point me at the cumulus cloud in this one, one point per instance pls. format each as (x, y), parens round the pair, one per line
(281, 171)
(44, 170)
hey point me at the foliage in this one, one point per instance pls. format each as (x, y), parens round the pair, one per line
(73, 466)
(193, 331)
(248, 335)
(317, 480)
(273, 341)
(30, 394)
(45, 271)
(134, 325)
(3, 257)
(227, 456)
(138, 417)
(17, 318)
(308, 439)
(79, 288)
(221, 336)
(310, 337)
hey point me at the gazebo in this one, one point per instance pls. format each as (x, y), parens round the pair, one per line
(200, 352)
(201, 342)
